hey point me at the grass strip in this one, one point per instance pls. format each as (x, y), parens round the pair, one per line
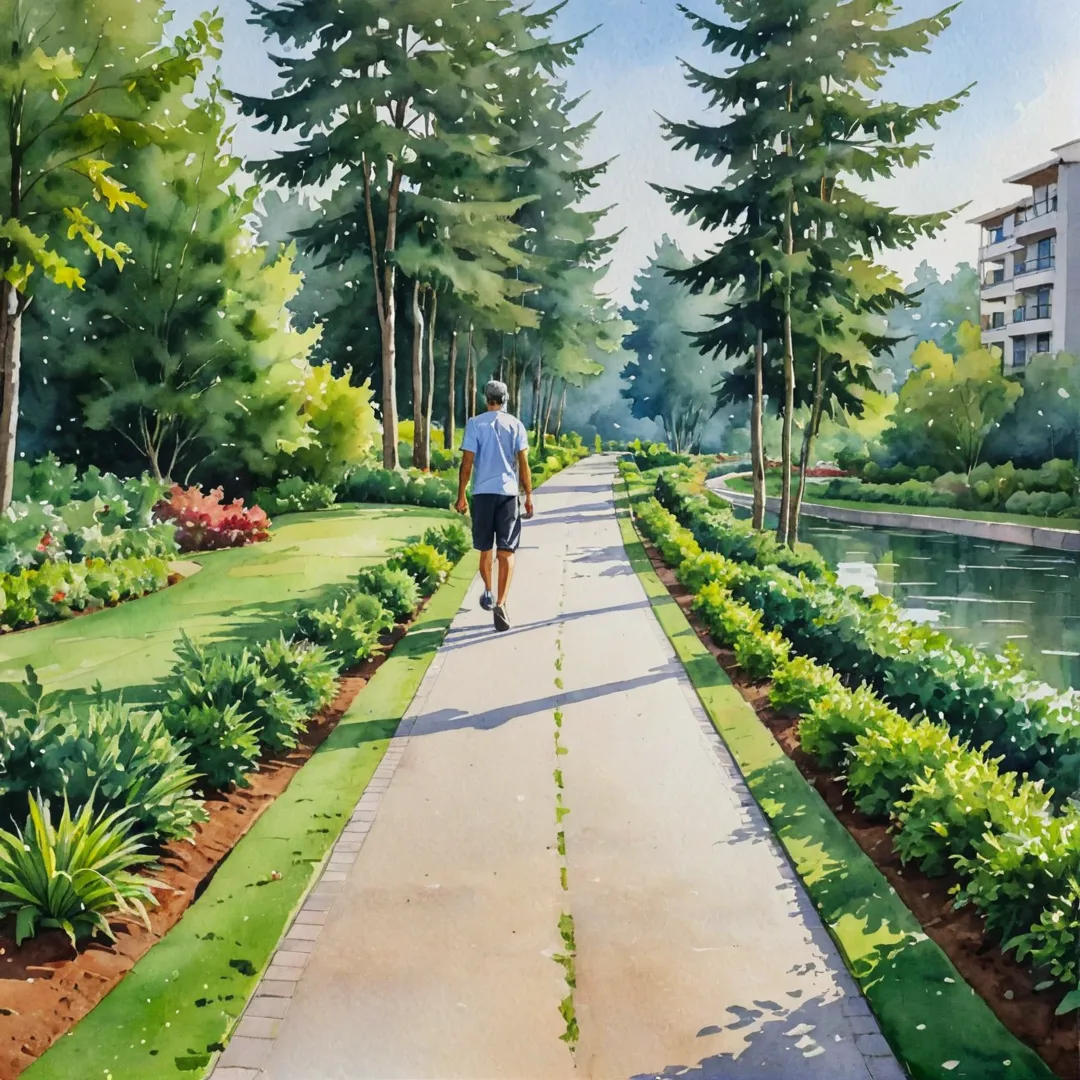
(936, 1024)
(173, 1012)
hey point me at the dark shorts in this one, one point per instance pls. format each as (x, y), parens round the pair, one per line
(496, 522)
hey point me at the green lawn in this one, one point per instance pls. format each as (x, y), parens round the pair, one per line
(813, 495)
(247, 594)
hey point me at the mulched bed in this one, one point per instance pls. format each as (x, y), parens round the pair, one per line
(1006, 986)
(46, 988)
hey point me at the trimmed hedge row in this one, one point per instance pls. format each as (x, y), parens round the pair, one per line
(951, 805)
(986, 699)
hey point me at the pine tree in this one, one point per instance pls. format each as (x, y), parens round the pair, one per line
(798, 126)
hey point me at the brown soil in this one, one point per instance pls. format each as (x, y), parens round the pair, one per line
(46, 988)
(1028, 1015)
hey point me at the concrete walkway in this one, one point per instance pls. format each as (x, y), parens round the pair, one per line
(558, 790)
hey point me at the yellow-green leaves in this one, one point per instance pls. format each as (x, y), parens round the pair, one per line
(87, 230)
(106, 187)
(32, 252)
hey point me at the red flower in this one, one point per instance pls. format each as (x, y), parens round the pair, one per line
(59, 597)
(46, 540)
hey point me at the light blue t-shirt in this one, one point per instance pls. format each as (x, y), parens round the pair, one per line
(496, 438)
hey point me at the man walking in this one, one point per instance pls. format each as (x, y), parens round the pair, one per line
(495, 453)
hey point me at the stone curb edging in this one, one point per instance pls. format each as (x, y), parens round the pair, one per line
(248, 1051)
(1003, 532)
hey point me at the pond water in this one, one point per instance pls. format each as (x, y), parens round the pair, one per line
(985, 593)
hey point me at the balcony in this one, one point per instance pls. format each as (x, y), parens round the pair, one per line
(1033, 266)
(1032, 313)
(1037, 210)
(997, 286)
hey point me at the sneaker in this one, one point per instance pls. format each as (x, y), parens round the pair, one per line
(487, 601)
(502, 623)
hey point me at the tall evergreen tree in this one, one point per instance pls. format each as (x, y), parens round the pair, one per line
(669, 380)
(798, 126)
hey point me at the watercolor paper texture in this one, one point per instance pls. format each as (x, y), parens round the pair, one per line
(744, 740)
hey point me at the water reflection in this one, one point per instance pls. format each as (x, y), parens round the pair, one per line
(987, 594)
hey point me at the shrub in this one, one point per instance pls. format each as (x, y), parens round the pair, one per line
(395, 589)
(598, 445)
(887, 757)
(113, 756)
(700, 570)
(952, 806)
(1053, 942)
(451, 539)
(759, 654)
(71, 875)
(220, 678)
(726, 618)
(837, 719)
(799, 683)
(426, 566)
(221, 742)
(295, 495)
(369, 485)
(351, 629)
(306, 671)
(204, 523)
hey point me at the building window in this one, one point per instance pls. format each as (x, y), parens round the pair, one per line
(997, 320)
(1042, 343)
(1042, 304)
(1019, 357)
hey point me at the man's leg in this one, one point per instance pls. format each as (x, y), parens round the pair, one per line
(506, 575)
(486, 559)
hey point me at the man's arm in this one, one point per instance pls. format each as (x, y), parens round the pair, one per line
(463, 480)
(525, 476)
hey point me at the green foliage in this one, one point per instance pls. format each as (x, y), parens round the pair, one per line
(306, 671)
(428, 567)
(728, 620)
(836, 719)
(111, 756)
(760, 653)
(949, 405)
(221, 743)
(799, 683)
(218, 679)
(394, 589)
(70, 875)
(351, 629)
(695, 572)
(294, 495)
(368, 485)
(668, 380)
(885, 758)
(451, 540)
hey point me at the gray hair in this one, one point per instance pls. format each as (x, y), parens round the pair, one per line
(496, 393)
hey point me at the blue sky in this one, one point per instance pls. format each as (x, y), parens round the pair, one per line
(1025, 59)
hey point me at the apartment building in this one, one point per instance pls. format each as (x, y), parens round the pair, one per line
(1029, 263)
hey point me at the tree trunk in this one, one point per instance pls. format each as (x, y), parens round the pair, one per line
(538, 383)
(450, 429)
(418, 377)
(10, 359)
(757, 439)
(470, 380)
(559, 416)
(812, 427)
(429, 390)
(789, 388)
(547, 413)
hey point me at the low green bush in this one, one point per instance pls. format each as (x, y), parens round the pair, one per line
(306, 671)
(451, 539)
(760, 653)
(890, 753)
(220, 742)
(697, 571)
(837, 719)
(351, 628)
(111, 756)
(799, 683)
(295, 495)
(395, 589)
(378, 485)
(426, 566)
(71, 875)
(726, 618)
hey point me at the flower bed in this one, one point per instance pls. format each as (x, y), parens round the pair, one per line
(953, 804)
